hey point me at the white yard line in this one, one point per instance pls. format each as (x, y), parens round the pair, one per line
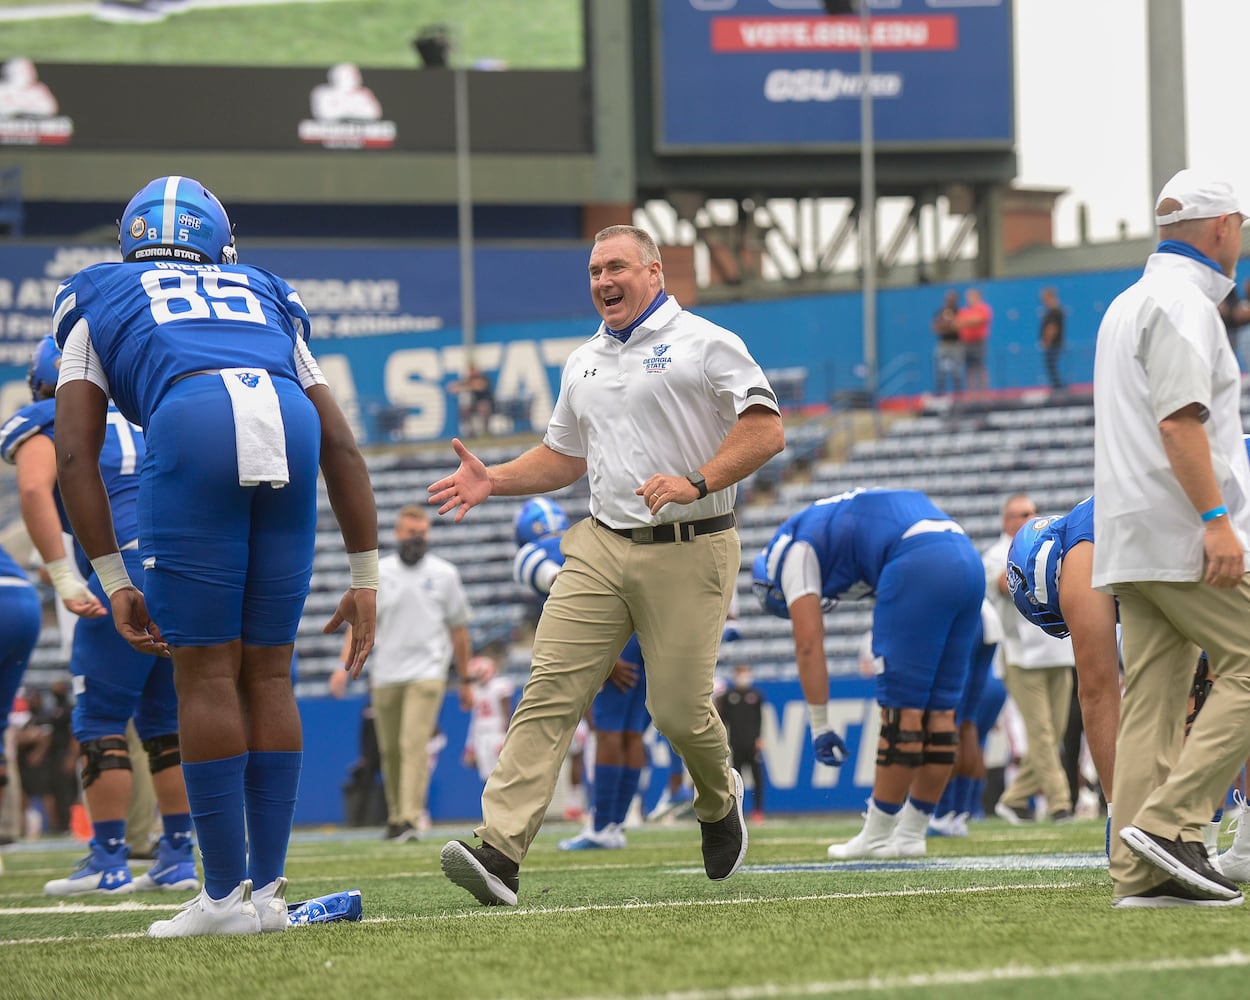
(87, 9)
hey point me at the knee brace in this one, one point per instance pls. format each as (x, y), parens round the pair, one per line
(163, 752)
(894, 736)
(96, 757)
(941, 747)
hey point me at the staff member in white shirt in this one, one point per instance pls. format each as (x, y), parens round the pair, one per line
(1172, 523)
(422, 628)
(665, 413)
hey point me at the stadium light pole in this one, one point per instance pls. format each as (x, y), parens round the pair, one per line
(433, 46)
(868, 200)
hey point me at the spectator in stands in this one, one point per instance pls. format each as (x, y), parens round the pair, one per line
(896, 546)
(423, 630)
(476, 401)
(948, 355)
(21, 618)
(973, 321)
(210, 358)
(665, 412)
(1050, 336)
(116, 682)
(1173, 515)
(741, 708)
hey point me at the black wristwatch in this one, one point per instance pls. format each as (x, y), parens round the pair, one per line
(698, 482)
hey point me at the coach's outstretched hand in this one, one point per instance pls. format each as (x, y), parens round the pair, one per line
(467, 487)
(830, 749)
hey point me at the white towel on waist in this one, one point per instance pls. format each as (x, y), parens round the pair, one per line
(259, 435)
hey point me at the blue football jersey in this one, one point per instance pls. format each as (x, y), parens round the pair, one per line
(120, 460)
(852, 535)
(1035, 560)
(153, 322)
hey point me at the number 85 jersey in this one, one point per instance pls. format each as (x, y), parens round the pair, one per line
(152, 322)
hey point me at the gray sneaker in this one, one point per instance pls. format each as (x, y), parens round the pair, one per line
(488, 874)
(725, 840)
(1184, 860)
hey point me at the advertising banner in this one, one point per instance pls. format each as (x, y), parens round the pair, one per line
(769, 75)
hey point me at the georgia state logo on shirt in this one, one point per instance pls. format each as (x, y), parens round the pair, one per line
(659, 359)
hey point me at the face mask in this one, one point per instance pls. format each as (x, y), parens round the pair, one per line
(412, 549)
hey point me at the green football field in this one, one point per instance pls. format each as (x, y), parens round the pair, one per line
(524, 34)
(1007, 912)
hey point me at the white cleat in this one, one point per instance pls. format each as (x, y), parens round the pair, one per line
(873, 841)
(270, 903)
(202, 915)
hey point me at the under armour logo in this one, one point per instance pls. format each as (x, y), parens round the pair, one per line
(590, 371)
(249, 379)
(111, 877)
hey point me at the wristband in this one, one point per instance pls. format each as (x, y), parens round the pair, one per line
(364, 568)
(1214, 512)
(819, 715)
(69, 586)
(110, 570)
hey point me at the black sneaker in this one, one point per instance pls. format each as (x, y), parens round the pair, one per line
(1062, 816)
(401, 833)
(1185, 860)
(485, 872)
(1015, 815)
(1171, 893)
(725, 840)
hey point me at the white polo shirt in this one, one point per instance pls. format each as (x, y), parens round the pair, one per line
(662, 402)
(417, 607)
(1161, 347)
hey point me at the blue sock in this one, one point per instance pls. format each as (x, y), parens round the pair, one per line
(109, 834)
(889, 808)
(177, 829)
(607, 781)
(626, 788)
(270, 787)
(925, 807)
(949, 802)
(215, 791)
(1219, 815)
(963, 794)
(975, 794)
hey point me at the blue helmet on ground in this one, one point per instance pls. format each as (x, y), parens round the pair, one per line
(539, 518)
(1033, 565)
(45, 367)
(176, 218)
(767, 590)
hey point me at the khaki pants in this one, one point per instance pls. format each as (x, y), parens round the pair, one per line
(1164, 783)
(675, 596)
(1043, 696)
(405, 716)
(141, 828)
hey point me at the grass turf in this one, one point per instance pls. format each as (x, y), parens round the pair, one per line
(1020, 912)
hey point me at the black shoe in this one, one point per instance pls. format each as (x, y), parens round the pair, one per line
(725, 840)
(1171, 893)
(401, 833)
(485, 872)
(1185, 860)
(1062, 816)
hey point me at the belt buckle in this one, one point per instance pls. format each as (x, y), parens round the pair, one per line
(643, 536)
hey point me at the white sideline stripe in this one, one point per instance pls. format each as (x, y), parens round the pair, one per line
(926, 980)
(510, 911)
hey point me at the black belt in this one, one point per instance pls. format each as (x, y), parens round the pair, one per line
(682, 531)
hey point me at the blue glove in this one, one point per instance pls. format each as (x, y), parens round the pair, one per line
(830, 749)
